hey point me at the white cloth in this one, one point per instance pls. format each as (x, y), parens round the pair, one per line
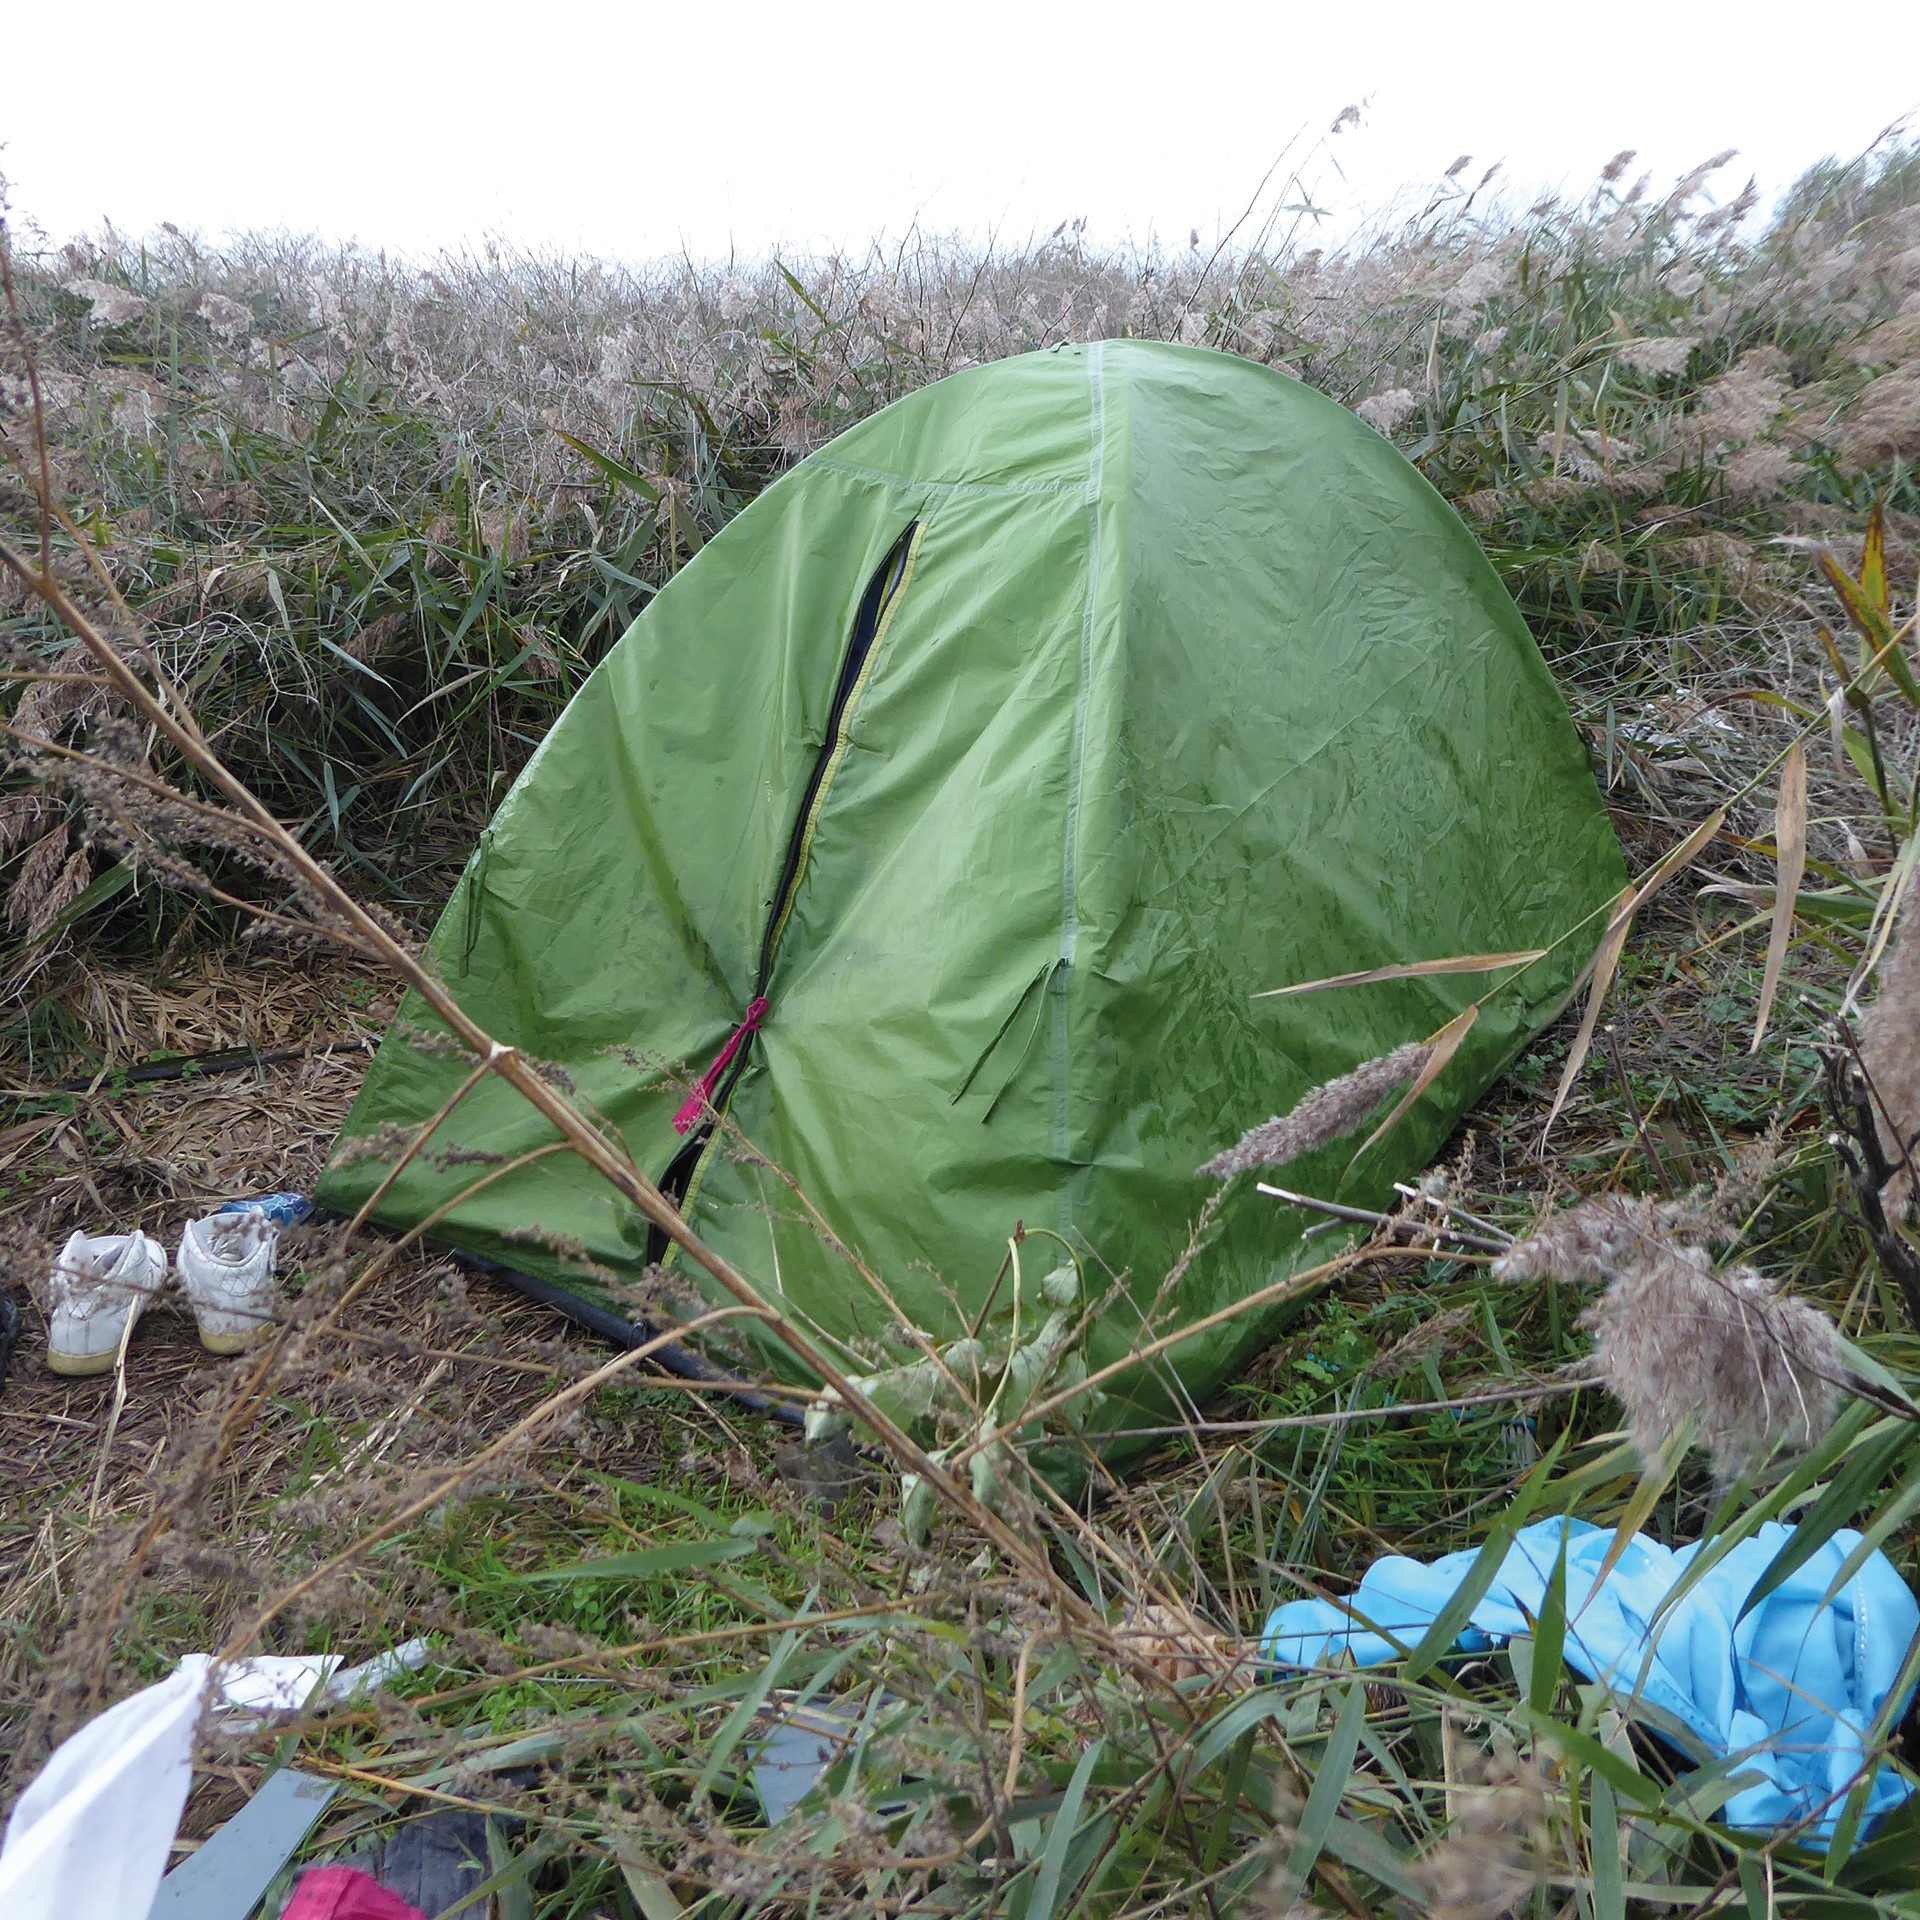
(88, 1839)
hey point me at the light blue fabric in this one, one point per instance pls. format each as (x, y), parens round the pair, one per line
(1792, 1688)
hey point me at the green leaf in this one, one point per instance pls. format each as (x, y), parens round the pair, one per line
(1229, 1801)
(504, 1890)
(1860, 754)
(1169, 1551)
(1600, 1761)
(650, 1891)
(1697, 1796)
(1029, 1368)
(742, 1717)
(709, 1517)
(513, 1896)
(615, 471)
(1549, 1638)
(1866, 608)
(102, 888)
(358, 666)
(1873, 561)
(640, 1566)
(1751, 1515)
(1892, 1856)
(801, 294)
(1238, 1718)
(279, 600)
(1896, 1511)
(1846, 1493)
(1858, 1360)
(1845, 1828)
(1870, 621)
(1361, 1848)
(1646, 1496)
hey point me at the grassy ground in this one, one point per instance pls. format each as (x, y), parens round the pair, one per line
(378, 520)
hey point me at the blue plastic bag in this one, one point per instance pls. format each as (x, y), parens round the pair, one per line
(1791, 1688)
(283, 1209)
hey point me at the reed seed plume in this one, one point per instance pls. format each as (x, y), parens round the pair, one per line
(1384, 412)
(1326, 1113)
(1488, 1863)
(1683, 1345)
(1890, 1053)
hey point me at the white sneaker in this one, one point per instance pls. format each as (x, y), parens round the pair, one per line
(99, 1285)
(225, 1264)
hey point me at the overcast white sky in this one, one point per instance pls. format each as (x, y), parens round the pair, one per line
(632, 131)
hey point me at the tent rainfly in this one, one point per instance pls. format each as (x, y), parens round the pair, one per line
(955, 802)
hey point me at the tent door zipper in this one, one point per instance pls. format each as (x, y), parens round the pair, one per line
(869, 623)
(876, 606)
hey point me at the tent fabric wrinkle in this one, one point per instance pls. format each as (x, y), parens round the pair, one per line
(1188, 686)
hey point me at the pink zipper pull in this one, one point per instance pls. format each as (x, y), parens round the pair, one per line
(689, 1116)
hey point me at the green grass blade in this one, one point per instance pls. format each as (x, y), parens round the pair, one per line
(1846, 1829)
(1329, 1788)
(1846, 1493)
(1549, 1638)
(1438, 1639)
(1609, 1900)
(1601, 1761)
(1361, 1847)
(734, 1728)
(1646, 1496)
(1060, 1832)
(1894, 1514)
(1241, 1717)
(620, 474)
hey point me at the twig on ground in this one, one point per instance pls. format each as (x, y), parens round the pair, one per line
(1479, 1242)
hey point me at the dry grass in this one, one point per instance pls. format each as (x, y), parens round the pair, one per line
(157, 1154)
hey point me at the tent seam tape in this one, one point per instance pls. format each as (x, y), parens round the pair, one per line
(1062, 985)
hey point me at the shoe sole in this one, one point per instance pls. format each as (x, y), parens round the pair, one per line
(78, 1365)
(231, 1343)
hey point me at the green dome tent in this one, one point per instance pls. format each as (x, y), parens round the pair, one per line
(955, 801)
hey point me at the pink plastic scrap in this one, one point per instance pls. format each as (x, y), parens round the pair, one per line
(345, 1893)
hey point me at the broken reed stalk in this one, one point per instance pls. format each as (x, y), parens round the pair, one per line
(1856, 1140)
(173, 721)
(1366, 1216)
(175, 724)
